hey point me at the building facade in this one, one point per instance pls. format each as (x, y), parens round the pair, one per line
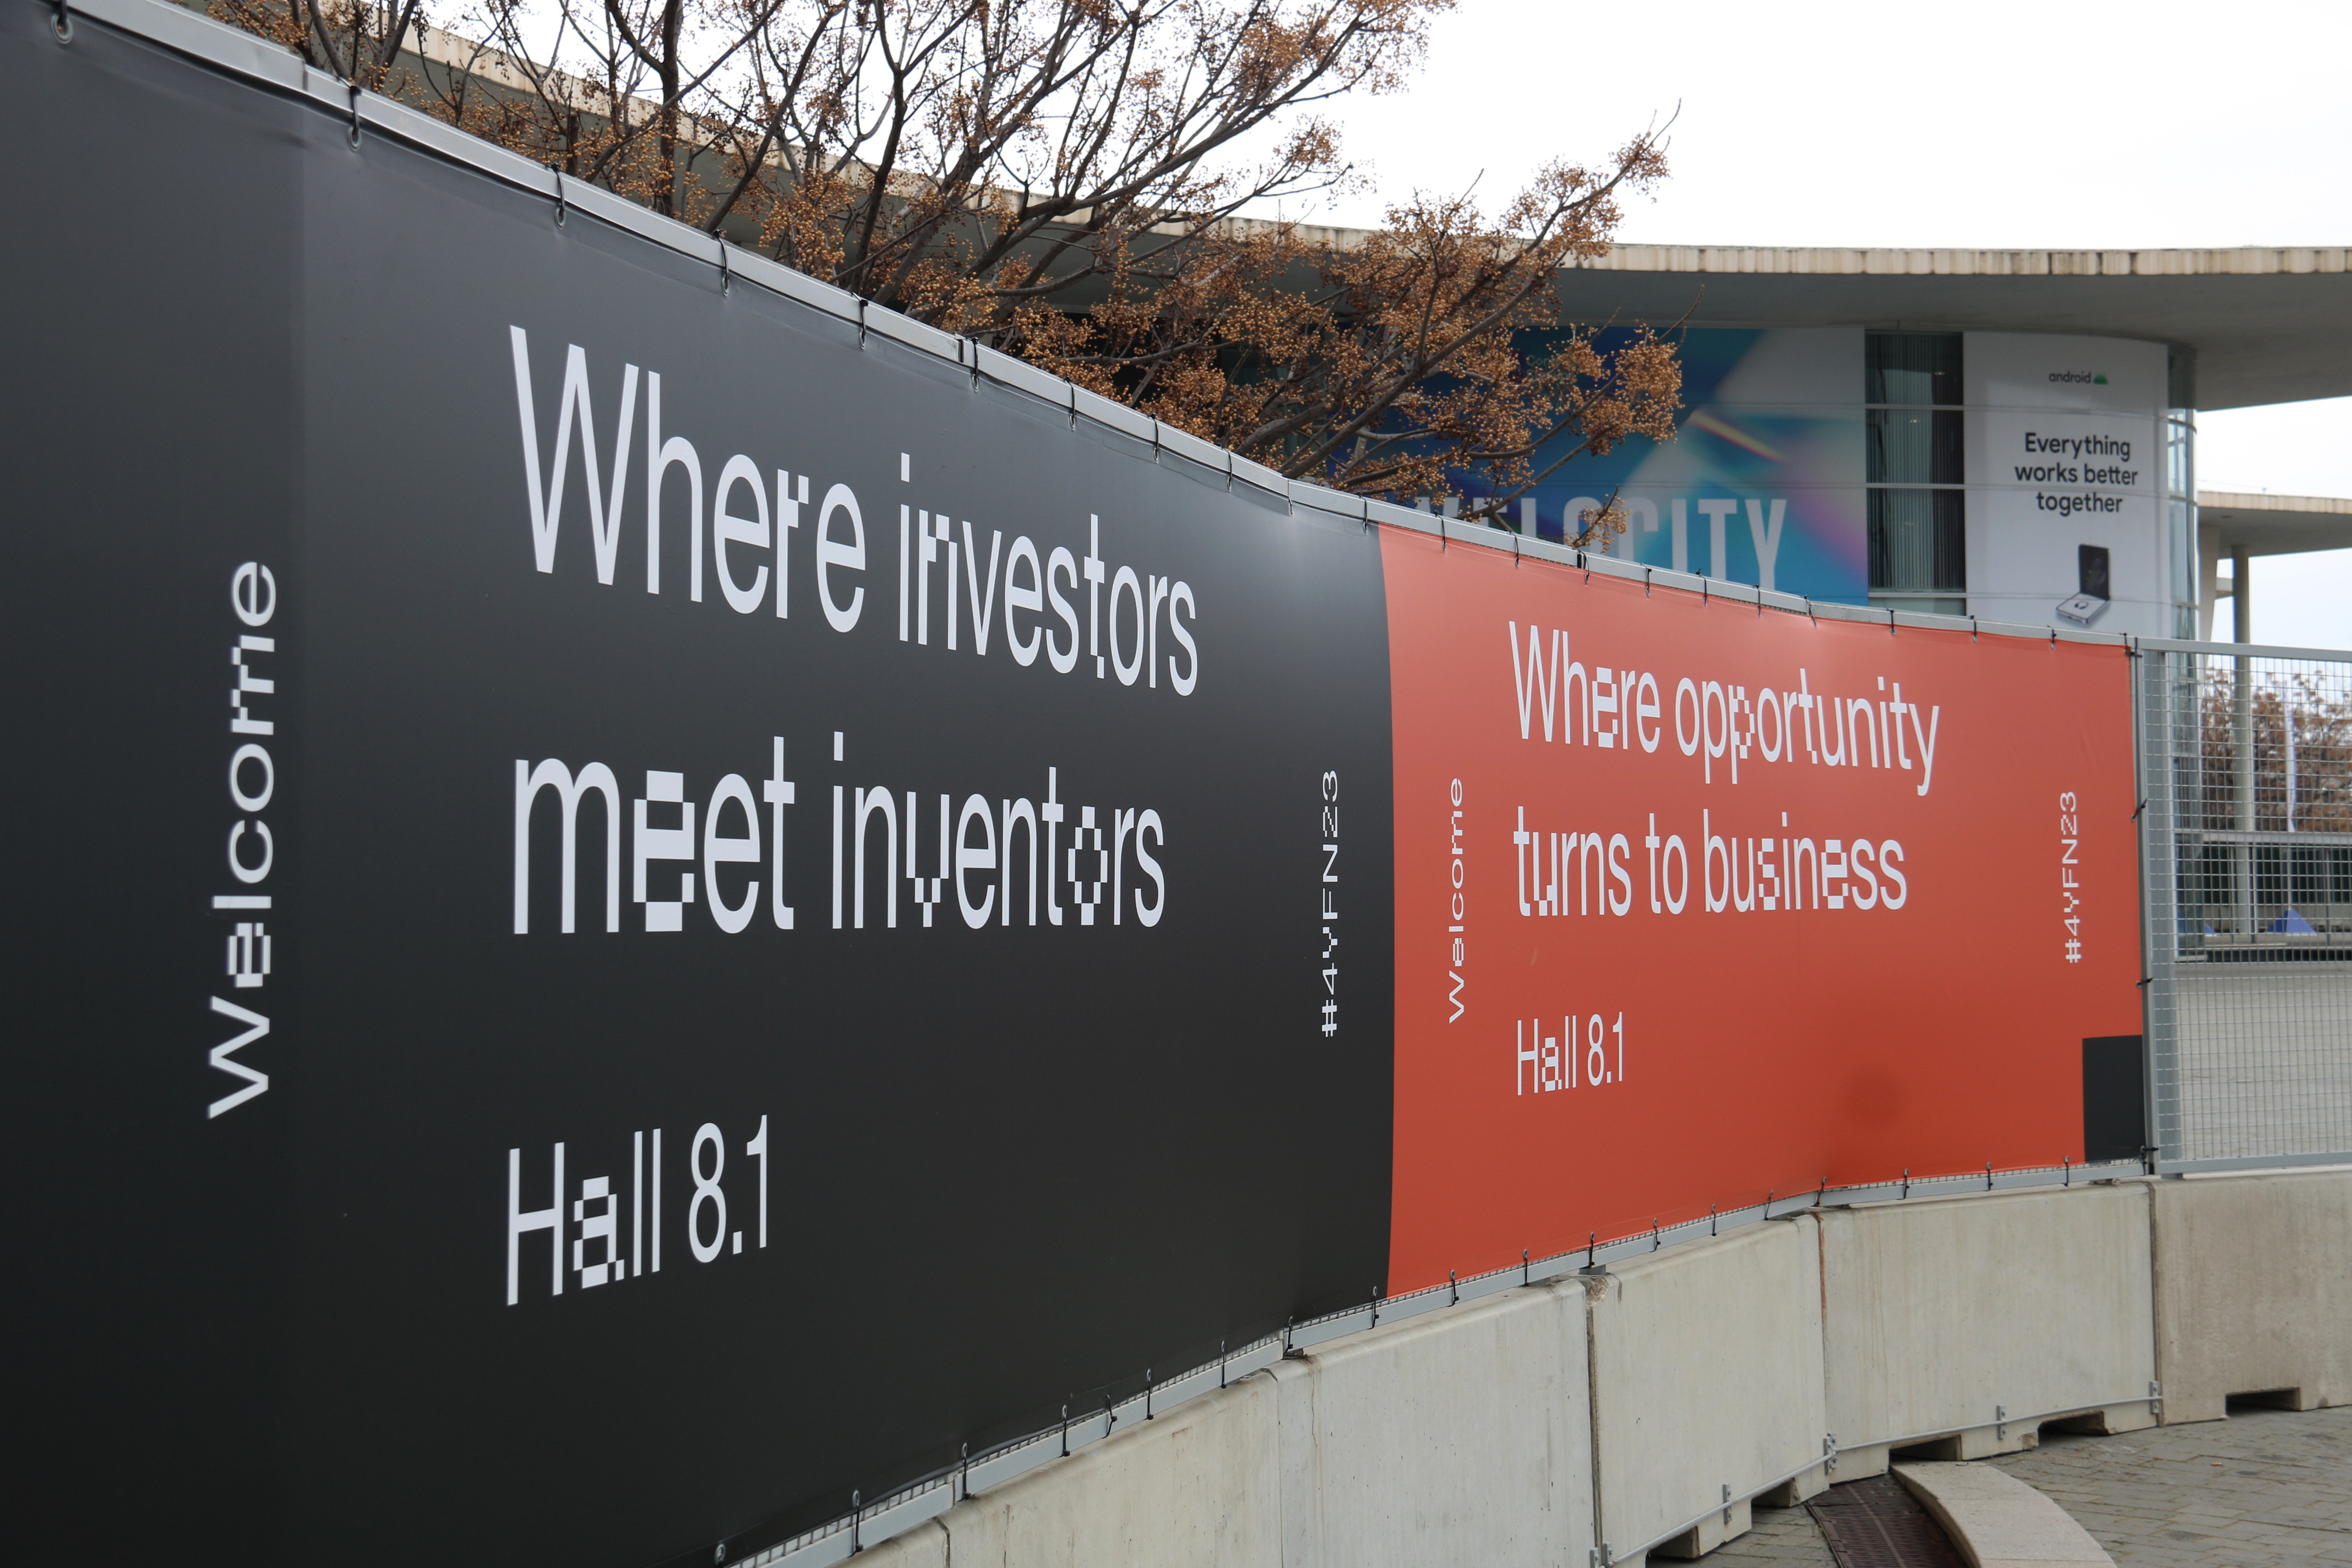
(2033, 477)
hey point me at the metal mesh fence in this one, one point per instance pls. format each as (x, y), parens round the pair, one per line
(2246, 773)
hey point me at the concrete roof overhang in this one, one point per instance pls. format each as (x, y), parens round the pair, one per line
(2265, 325)
(2266, 524)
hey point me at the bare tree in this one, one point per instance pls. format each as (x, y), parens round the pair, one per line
(362, 44)
(1068, 180)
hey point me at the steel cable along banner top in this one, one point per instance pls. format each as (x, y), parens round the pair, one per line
(1698, 900)
(640, 908)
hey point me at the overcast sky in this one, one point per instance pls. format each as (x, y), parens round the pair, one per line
(1996, 124)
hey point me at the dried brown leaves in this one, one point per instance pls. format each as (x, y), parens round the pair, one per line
(1059, 178)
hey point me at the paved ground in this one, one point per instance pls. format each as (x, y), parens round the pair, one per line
(2265, 1489)
(1784, 1537)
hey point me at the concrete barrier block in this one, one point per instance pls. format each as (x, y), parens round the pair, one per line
(2253, 1290)
(1706, 1374)
(2285, 1399)
(1735, 1519)
(925, 1546)
(1948, 1316)
(2107, 1422)
(1858, 1462)
(1975, 1443)
(1461, 1437)
(1796, 1488)
(1199, 1484)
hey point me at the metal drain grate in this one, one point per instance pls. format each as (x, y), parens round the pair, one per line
(1875, 1523)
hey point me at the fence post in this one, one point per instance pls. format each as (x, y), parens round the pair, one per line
(2164, 680)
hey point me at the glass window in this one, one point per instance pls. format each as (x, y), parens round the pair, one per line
(1919, 541)
(2179, 443)
(1916, 368)
(1918, 538)
(1915, 447)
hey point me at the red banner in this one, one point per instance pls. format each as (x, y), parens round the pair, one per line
(1696, 902)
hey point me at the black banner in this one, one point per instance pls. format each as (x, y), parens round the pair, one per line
(545, 1037)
